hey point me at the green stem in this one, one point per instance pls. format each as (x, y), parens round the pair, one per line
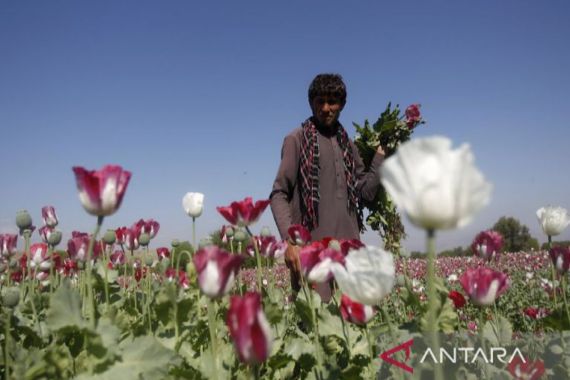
(194, 233)
(432, 300)
(370, 351)
(564, 297)
(257, 258)
(7, 344)
(553, 271)
(345, 330)
(51, 265)
(212, 328)
(309, 297)
(89, 272)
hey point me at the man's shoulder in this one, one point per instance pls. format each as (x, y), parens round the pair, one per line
(295, 134)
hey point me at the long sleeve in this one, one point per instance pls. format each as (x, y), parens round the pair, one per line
(368, 181)
(284, 185)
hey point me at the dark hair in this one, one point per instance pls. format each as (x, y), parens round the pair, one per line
(328, 85)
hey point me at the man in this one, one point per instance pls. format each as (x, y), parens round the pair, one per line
(321, 179)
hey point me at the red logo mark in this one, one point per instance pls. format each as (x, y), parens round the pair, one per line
(387, 355)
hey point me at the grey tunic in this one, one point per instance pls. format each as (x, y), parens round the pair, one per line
(335, 220)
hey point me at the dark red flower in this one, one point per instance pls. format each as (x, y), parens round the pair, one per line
(457, 298)
(162, 253)
(560, 258)
(243, 213)
(355, 312)
(526, 370)
(249, 328)
(298, 234)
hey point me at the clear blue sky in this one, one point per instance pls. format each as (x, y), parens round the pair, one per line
(197, 96)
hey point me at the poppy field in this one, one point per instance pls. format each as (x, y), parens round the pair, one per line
(108, 305)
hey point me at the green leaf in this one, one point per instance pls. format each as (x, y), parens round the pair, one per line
(65, 309)
(142, 358)
(498, 332)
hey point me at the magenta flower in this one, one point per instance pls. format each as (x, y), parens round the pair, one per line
(249, 328)
(560, 258)
(162, 253)
(45, 232)
(413, 116)
(316, 262)
(487, 244)
(101, 192)
(39, 257)
(150, 227)
(484, 285)
(131, 236)
(117, 258)
(49, 216)
(243, 213)
(355, 312)
(216, 270)
(268, 247)
(77, 248)
(299, 234)
(348, 245)
(8, 244)
(179, 276)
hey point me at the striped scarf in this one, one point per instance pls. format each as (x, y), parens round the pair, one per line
(309, 174)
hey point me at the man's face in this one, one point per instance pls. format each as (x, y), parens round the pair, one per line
(326, 109)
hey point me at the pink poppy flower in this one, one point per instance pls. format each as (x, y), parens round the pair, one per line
(120, 235)
(39, 257)
(299, 234)
(536, 313)
(101, 192)
(249, 328)
(131, 236)
(316, 262)
(355, 312)
(413, 116)
(216, 270)
(117, 258)
(243, 213)
(77, 248)
(8, 244)
(484, 285)
(487, 244)
(49, 216)
(45, 232)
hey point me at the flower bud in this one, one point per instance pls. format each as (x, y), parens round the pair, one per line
(144, 239)
(230, 231)
(11, 297)
(401, 280)
(148, 261)
(175, 243)
(54, 238)
(110, 237)
(265, 232)
(23, 220)
(191, 272)
(334, 244)
(204, 242)
(240, 236)
(331, 345)
(13, 264)
(3, 266)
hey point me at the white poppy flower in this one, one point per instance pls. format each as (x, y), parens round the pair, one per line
(553, 220)
(367, 276)
(437, 187)
(193, 204)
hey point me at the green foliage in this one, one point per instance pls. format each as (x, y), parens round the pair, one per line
(561, 243)
(389, 131)
(516, 236)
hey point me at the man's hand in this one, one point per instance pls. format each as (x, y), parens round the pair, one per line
(294, 264)
(380, 150)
